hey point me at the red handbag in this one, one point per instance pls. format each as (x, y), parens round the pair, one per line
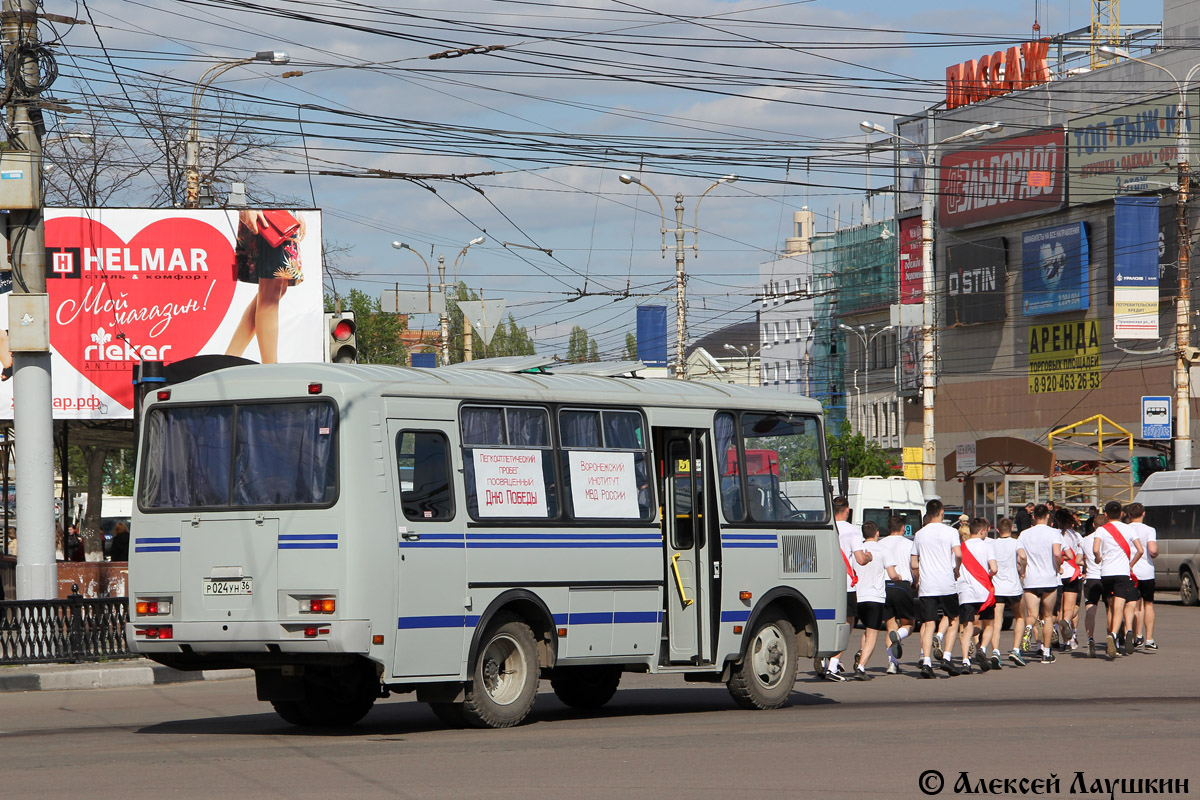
(280, 226)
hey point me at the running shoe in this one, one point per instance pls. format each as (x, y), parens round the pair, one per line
(937, 647)
(1110, 646)
(857, 656)
(1068, 630)
(984, 662)
(1048, 658)
(1015, 657)
(1130, 642)
(896, 648)
(1151, 645)
(861, 675)
(951, 667)
(893, 669)
(1027, 639)
(995, 661)
(972, 648)
(1139, 642)
(1091, 648)
(837, 677)
(927, 671)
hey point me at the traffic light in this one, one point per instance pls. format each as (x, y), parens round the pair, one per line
(342, 342)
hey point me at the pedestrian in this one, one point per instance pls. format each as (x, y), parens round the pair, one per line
(1093, 590)
(1089, 524)
(898, 590)
(1117, 550)
(850, 540)
(120, 542)
(872, 596)
(935, 563)
(1070, 574)
(74, 545)
(976, 592)
(1007, 583)
(1143, 570)
(1039, 557)
(1024, 517)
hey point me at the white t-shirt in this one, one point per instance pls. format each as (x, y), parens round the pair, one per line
(1071, 540)
(1038, 543)
(850, 539)
(1144, 568)
(934, 546)
(870, 575)
(969, 589)
(1006, 579)
(1113, 560)
(1091, 569)
(897, 552)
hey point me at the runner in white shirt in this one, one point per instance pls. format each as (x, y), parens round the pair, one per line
(1143, 570)
(872, 595)
(1093, 590)
(1070, 574)
(850, 539)
(897, 560)
(1115, 574)
(976, 590)
(936, 559)
(1008, 593)
(1039, 556)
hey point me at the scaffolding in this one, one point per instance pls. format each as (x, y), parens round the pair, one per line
(1084, 473)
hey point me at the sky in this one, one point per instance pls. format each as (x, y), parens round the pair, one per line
(536, 130)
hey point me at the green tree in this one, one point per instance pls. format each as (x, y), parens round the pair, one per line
(380, 334)
(577, 344)
(593, 351)
(100, 470)
(865, 458)
(630, 353)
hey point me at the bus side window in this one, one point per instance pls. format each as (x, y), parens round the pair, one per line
(423, 461)
(727, 461)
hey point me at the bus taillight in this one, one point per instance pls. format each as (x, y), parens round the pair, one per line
(147, 607)
(321, 605)
(156, 632)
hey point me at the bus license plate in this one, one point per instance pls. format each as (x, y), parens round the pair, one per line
(215, 587)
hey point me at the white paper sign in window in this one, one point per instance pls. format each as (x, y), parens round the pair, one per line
(603, 485)
(510, 483)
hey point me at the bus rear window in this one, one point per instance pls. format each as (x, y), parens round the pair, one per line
(251, 455)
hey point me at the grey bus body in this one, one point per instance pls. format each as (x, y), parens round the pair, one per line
(1172, 501)
(331, 527)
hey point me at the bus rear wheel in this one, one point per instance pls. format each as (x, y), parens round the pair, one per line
(334, 697)
(765, 677)
(585, 688)
(506, 676)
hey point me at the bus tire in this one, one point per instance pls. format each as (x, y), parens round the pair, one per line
(290, 711)
(585, 688)
(333, 698)
(506, 676)
(767, 672)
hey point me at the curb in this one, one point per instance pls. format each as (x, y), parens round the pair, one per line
(113, 675)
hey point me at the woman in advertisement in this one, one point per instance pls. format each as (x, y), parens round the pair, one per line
(268, 254)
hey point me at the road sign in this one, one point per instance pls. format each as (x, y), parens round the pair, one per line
(400, 302)
(484, 316)
(1156, 417)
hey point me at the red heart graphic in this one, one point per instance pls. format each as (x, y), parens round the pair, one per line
(166, 291)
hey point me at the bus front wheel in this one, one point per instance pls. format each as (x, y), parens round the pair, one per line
(504, 687)
(767, 673)
(585, 688)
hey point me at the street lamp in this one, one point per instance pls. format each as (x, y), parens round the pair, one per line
(680, 258)
(192, 155)
(1183, 410)
(745, 351)
(928, 374)
(861, 331)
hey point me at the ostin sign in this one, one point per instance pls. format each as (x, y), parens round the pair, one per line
(972, 81)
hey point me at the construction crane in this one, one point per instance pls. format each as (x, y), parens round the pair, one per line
(1106, 24)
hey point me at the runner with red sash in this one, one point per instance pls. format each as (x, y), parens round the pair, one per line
(850, 542)
(976, 592)
(1117, 550)
(850, 573)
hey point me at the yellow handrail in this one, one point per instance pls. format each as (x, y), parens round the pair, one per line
(679, 580)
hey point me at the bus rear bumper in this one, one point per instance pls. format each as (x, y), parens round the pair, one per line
(327, 636)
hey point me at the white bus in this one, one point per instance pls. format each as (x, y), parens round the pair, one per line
(351, 531)
(1172, 501)
(874, 499)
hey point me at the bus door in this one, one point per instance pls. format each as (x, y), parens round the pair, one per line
(430, 550)
(688, 536)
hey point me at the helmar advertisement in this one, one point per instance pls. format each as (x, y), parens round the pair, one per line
(164, 285)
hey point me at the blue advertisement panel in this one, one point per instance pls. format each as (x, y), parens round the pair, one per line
(1054, 267)
(652, 335)
(427, 360)
(1135, 267)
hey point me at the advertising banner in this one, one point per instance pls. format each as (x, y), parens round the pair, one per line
(1128, 149)
(652, 335)
(964, 454)
(510, 483)
(910, 361)
(912, 273)
(1064, 356)
(976, 281)
(910, 163)
(603, 485)
(1135, 267)
(991, 182)
(1054, 269)
(132, 284)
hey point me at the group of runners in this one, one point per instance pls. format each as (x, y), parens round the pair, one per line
(953, 586)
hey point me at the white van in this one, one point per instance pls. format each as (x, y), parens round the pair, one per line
(1172, 501)
(874, 499)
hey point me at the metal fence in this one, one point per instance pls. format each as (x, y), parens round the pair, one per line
(76, 629)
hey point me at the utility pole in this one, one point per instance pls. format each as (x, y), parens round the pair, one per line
(680, 292)
(33, 420)
(1183, 306)
(444, 317)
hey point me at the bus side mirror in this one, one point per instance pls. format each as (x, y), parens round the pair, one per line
(843, 476)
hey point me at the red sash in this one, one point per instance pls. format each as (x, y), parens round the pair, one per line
(979, 573)
(1124, 545)
(1076, 571)
(849, 570)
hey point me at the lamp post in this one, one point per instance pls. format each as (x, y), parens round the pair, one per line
(862, 332)
(680, 258)
(928, 153)
(444, 316)
(745, 351)
(1183, 310)
(192, 154)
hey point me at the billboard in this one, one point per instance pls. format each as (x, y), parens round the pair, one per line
(1004, 179)
(912, 274)
(164, 285)
(1064, 356)
(910, 361)
(1128, 149)
(1135, 267)
(910, 163)
(652, 335)
(976, 278)
(1054, 269)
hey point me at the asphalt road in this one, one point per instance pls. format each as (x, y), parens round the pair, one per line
(1132, 718)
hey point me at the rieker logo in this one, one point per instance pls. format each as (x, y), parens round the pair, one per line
(101, 350)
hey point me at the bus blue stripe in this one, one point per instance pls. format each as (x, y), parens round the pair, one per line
(748, 536)
(156, 540)
(735, 616)
(745, 545)
(302, 537)
(308, 546)
(530, 535)
(457, 545)
(823, 613)
(447, 621)
(160, 549)
(501, 545)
